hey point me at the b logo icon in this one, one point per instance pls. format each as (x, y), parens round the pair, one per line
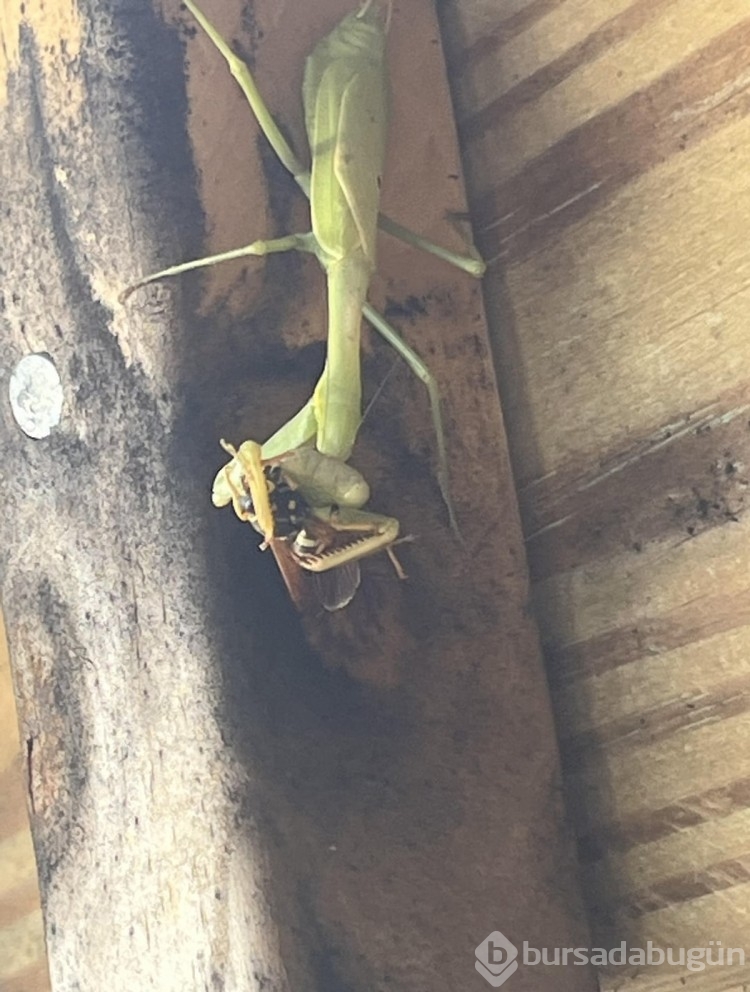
(496, 959)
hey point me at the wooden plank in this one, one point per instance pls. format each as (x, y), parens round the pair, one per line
(214, 803)
(606, 148)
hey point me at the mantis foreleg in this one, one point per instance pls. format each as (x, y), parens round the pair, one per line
(303, 426)
(344, 99)
(308, 508)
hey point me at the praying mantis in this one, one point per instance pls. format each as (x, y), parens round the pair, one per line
(307, 506)
(344, 97)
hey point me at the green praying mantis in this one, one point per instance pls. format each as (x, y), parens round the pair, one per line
(345, 105)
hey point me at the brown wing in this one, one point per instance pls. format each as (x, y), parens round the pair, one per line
(298, 583)
(333, 590)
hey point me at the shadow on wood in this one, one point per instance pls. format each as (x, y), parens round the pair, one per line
(214, 798)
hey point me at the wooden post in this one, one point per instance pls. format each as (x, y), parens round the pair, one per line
(215, 802)
(607, 151)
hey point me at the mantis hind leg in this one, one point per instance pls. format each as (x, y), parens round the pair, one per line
(422, 372)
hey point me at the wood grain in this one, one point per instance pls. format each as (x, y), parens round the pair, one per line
(23, 959)
(606, 146)
(214, 803)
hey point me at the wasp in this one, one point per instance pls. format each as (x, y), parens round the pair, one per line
(308, 508)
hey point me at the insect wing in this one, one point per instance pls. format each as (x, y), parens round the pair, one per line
(360, 152)
(344, 93)
(336, 588)
(296, 581)
(333, 590)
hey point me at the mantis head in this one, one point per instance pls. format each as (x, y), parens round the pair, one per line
(242, 483)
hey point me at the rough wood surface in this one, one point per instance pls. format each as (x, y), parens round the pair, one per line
(214, 804)
(23, 959)
(608, 152)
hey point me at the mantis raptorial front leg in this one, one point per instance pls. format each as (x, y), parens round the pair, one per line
(344, 95)
(307, 506)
